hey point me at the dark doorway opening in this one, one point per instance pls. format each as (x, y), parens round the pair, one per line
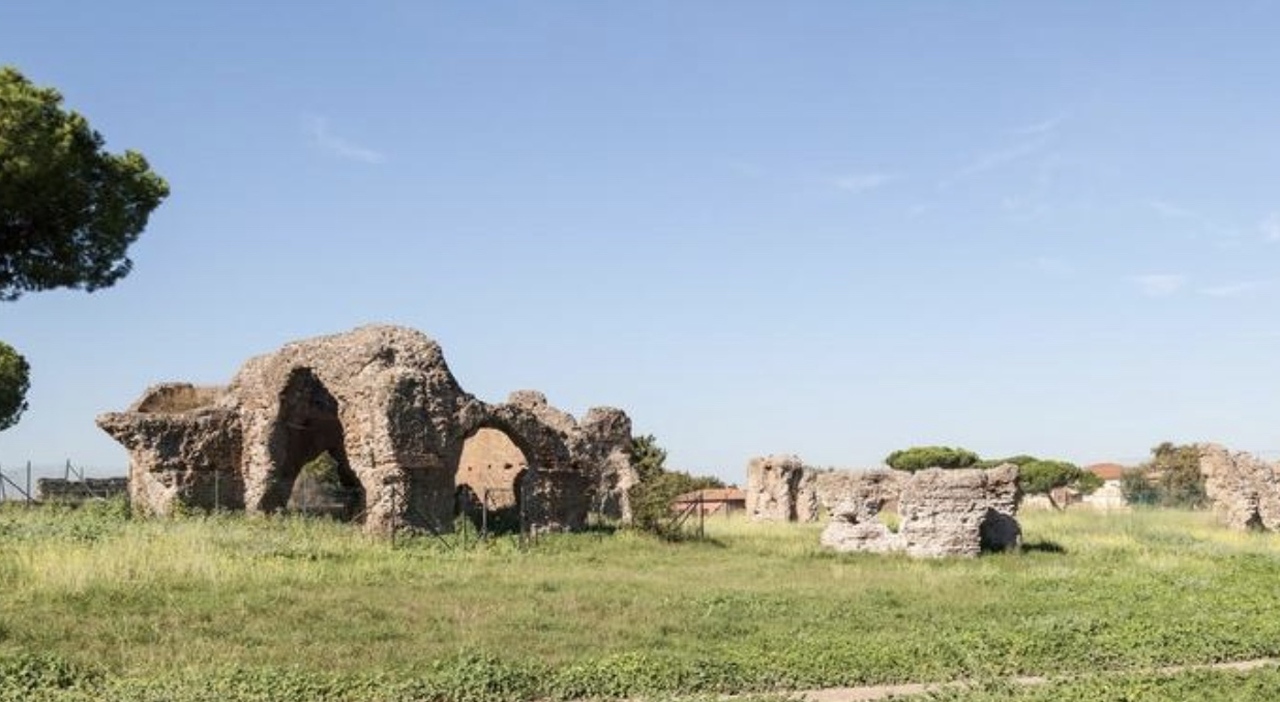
(309, 457)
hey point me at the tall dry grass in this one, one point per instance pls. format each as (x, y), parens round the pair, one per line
(753, 607)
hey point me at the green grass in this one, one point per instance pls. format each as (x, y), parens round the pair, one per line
(232, 608)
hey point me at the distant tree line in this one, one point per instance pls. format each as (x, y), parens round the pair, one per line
(1170, 478)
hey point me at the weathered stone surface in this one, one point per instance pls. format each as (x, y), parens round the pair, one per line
(382, 402)
(1244, 489)
(779, 489)
(958, 512)
(856, 501)
(940, 512)
(831, 487)
(184, 446)
(603, 442)
(863, 495)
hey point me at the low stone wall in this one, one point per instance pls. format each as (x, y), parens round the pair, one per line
(59, 490)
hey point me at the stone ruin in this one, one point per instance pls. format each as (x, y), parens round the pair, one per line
(942, 513)
(939, 512)
(381, 401)
(1243, 489)
(780, 489)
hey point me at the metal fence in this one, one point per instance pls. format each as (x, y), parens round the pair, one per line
(19, 481)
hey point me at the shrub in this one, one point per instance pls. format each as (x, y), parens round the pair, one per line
(1043, 477)
(657, 488)
(1171, 478)
(1137, 488)
(1177, 472)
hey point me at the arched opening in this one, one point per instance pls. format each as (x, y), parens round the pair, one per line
(888, 515)
(308, 441)
(490, 481)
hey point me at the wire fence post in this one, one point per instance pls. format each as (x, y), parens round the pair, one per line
(702, 516)
(9, 481)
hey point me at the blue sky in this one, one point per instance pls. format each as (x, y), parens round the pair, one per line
(828, 228)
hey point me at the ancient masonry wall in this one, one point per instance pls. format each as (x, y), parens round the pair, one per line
(382, 401)
(1243, 489)
(938, 512)
(779, 489)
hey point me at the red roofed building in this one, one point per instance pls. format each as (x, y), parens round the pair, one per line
(1107, 471)
(1109, 496)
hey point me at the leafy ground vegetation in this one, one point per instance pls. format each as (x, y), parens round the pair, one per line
(1200, 685)
(96, 605)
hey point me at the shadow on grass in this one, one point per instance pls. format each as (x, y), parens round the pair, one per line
(681, 536)
(1042, 546)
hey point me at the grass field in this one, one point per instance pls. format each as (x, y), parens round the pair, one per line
(94, 605)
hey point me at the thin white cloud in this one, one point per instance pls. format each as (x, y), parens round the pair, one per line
(1195, 225)
(862, 182)
(318, 130)
(1270, 227)
(1044, 127)
(1233, 289)
(1159, 284)
(993, 160)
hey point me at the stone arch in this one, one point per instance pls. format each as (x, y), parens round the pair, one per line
(308, 423)
(552, 493)
(491, 469)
